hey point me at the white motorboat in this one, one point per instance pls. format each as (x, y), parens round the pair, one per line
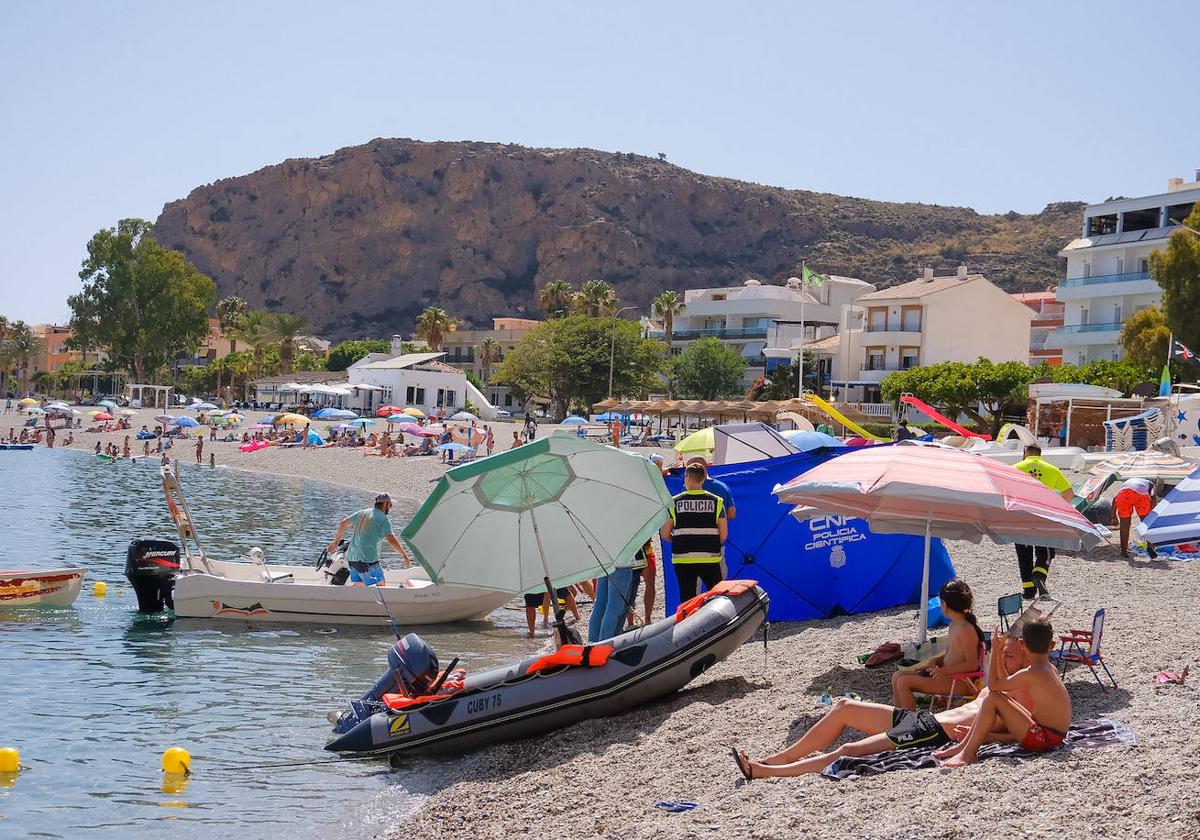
(1012, 450)
(40, 587)
(198, 586)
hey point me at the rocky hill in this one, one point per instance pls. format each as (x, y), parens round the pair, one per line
(363, 239)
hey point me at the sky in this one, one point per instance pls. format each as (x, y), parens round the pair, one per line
(111, 110)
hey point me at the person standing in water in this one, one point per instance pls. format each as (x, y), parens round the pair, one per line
(371, 527)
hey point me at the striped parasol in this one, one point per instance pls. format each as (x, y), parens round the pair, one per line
(1149, 463)
(939, 493)
(1176, 519)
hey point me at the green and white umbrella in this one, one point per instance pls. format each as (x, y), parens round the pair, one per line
(560, 509)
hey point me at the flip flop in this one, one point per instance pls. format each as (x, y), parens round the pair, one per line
(676, 807)
(743, 766)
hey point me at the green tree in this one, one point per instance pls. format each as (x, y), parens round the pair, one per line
(286, 329)
(253, 328)
(708, 370)
(346, 353)
(20, 347)
(1177, 270)
(140, 302)
(780, 384)
(432, 326)
(667, 306)
(596, 299)
(555, 298)
(568, 359)
(5, 326)
(1145, 337)
(489, 352)
(961, 388)
(230, 311)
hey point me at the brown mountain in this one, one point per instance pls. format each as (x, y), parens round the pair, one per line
(363, 239)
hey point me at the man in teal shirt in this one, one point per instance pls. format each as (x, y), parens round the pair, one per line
(371, 526)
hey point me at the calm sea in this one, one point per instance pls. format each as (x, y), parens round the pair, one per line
(92, 694)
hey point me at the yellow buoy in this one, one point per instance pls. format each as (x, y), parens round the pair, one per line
(10, 760)
(99, 589)
(177, 760)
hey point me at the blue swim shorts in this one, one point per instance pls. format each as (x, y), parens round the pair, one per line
(371, 575)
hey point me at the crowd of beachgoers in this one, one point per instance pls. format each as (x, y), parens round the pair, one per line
(610, 776)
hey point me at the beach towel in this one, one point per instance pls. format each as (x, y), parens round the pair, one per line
(1182, 553)
(1101, 732)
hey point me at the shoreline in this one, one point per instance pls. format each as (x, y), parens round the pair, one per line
(603, 777)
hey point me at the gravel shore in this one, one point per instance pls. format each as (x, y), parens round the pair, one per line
(603, 778)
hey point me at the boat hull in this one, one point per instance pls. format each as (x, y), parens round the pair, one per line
(239, 591)
(40, 587)
(508, 703)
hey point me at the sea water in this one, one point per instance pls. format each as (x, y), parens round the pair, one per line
(93, 694)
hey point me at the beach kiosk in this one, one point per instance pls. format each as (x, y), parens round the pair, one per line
(148, 396)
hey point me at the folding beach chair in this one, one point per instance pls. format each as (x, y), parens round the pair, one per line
(1007, 606)
(964, 686)
(1071, 650)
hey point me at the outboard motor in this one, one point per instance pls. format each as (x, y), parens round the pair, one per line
(151, 567)
(334, 566)
(412, 670)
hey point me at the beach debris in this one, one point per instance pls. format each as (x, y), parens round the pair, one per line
(1172, 677)
(676, 806)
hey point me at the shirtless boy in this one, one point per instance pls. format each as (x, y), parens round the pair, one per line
(888, 728)
(1031, 706)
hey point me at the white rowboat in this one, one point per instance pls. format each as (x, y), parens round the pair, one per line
(40, 587)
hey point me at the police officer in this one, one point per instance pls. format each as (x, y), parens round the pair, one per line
(697, 531)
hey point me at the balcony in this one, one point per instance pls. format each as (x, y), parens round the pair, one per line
(878, 374)
(715, 332)
(1107, 285)
(1076, 335)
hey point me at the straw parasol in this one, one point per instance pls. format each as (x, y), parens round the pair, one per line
(605, 405)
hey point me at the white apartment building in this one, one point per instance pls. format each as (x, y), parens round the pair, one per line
(420, 380)
(954, 318)
(1108, 277)
(756, 316)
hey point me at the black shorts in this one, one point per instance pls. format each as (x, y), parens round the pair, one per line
(916, 729)
(533, 600)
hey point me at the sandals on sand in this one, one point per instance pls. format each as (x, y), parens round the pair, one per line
(742, 764)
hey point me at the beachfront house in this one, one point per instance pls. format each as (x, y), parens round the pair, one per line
(1108, 272)
(464, 351)
(419, 380)
(952, 318)
(1047, 317)
(755, 316)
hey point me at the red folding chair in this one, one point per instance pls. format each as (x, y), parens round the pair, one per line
(971, 682)
(1082, 647)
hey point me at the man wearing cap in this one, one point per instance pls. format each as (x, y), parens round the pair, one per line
(371, 525)
(715, 485)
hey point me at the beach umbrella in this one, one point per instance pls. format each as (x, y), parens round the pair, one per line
(92, 412)
(315, 439)
(103, 415)
(573, 420)
(38, 411)
(324, 414)
(385, 410)
(1176, 519)
(262, 426)
(939, 493)
(27, 401)
(344, 414)
(58, 404)
(698, 443)
(804, 440)
(185, 422)
(547, 514)
(108, 404)
(202, 406)
(413, 412)
(283, 419)
(361, 422)
(164, 418)
(464, 416)
(1149, 463)
(266, 421)
(126, 412)
(453, 447)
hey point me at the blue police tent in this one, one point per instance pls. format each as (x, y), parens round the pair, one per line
(818, 567)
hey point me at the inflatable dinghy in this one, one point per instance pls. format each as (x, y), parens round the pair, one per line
(413, 710)
(16, 446)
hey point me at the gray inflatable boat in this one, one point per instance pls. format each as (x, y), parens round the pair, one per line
(411, 711)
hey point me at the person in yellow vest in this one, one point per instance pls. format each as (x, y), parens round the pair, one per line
(1034, 574)
(697, 531)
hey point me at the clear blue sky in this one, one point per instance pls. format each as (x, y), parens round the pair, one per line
(110, 110)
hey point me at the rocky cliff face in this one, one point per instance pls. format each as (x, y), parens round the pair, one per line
(363, 239)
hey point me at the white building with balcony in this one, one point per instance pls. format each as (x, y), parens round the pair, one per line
(955, 318)
(1108, 275)
(755, 316)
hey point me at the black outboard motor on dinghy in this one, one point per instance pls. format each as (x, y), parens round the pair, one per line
(151, 567)
(412, 670)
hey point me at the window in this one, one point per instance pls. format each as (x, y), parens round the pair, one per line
(1116, 313)
(911, 318)
(874, 358)
(508, 400)
(1083, 315)
(718, 297)
(877, 319)
(909, 357)
(450, 399)
(1144, 266)
(1116, 355)
(414, 396)
(1087, 269)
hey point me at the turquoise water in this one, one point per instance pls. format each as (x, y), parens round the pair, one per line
(92, 694)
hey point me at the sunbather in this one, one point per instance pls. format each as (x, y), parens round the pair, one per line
(962, 650)
(1031, 706)
(887, 728)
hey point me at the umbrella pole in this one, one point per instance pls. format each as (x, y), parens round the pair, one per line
(564, 633)
(922, 630)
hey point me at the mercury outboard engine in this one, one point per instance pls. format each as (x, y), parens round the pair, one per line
(151, 566)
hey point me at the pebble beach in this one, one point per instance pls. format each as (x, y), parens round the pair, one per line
(604, 777)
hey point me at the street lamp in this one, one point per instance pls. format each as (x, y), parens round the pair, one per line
(612, 347)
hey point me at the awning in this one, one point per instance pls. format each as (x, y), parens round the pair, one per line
(366, 387)
(854, 384)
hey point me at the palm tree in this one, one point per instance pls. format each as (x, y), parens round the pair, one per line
(4, 328)
(230, 310)
(555, 298)
(253, 329)
(20, 347)
(432, 326)
(489, 351)
(596, 299)
(667, 306)
(286, 329)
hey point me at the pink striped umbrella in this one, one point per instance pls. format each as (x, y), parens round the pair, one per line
(939, 493)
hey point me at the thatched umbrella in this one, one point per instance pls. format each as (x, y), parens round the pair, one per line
(604, 405)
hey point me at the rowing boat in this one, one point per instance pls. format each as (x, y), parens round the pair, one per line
(40, 587)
